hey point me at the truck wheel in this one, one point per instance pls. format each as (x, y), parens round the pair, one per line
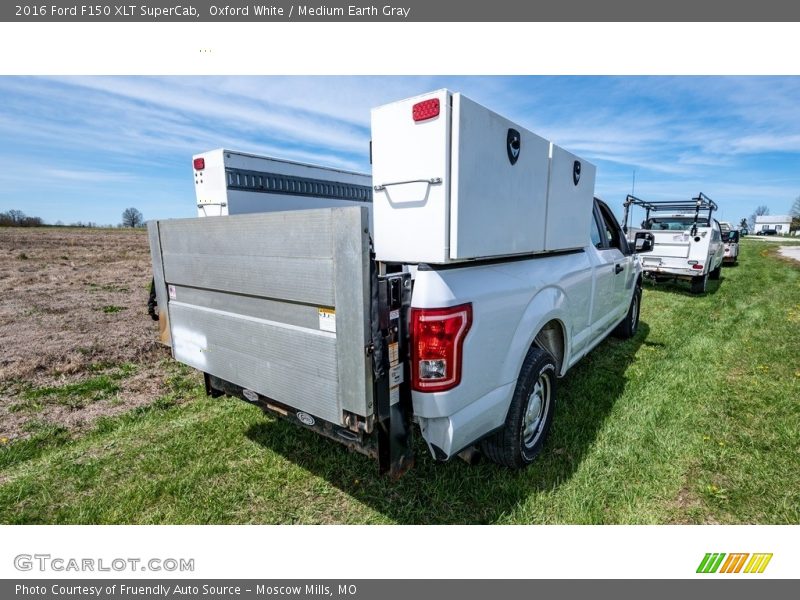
(529, 417)
(699, 284)
(630, 324)
(715, 273)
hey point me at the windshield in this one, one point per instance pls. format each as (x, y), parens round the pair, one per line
(672, 223)
(731, 237)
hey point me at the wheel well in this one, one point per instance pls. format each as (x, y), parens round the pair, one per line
(551, 338)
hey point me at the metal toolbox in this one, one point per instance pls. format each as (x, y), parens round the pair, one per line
(455, 181)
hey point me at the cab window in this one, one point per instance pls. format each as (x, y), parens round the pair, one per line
(597, 240)
(611, 230)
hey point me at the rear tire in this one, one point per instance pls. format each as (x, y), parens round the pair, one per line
(699, 284)
(630, 324)
(715, 273)
(530, 415)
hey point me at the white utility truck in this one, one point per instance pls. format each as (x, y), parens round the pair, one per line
(485, 270)
(730, 239)
(235, 183)
(687, 242)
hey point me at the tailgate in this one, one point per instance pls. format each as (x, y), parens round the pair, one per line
(670, 245)
(277, 303)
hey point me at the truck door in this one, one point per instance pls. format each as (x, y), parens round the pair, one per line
(617, 260)
(717, 248)
(603, 260)
(624, 268)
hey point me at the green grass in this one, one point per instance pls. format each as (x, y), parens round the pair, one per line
(112, 309)
(96, 287)
(77, 394)
(696, 420)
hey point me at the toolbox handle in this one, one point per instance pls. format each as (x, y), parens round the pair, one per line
(431, 181)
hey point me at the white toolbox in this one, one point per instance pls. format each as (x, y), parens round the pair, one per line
(455, 181)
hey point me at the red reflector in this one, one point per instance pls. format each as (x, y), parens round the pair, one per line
(437, 339)
(427, 109)
(698, 267)
(199, 164)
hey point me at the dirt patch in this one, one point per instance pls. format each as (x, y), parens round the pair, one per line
(74, 308)
(792, 252)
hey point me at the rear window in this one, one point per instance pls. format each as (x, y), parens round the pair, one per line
(672, 223)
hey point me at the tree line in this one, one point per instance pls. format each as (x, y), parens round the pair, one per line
(17, 218)
(131, 217)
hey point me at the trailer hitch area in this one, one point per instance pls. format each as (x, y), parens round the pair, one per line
(358, 424)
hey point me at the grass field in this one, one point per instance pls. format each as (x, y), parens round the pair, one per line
(695, 420)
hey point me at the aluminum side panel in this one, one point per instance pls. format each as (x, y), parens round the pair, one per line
(274, 359)
(293, 279)
(248, 297)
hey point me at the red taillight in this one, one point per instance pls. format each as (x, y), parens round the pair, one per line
(437, 339)
(427, 109)
(698, 267)
(199, 164)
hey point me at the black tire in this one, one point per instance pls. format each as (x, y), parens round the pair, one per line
(699, 284)
(630, 324)
(523, 434)
(715, 273)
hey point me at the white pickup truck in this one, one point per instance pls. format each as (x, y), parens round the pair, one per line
(475, 273)
(687, 241)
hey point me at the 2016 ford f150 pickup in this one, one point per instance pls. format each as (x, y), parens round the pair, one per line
(452, 293)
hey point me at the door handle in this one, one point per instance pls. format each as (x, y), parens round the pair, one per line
(618, 269)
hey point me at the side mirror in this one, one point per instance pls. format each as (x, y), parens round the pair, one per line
(643, 242)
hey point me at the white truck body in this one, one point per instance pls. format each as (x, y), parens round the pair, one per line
(730, 240)
(586, 293)
(679, 253)
(292, 311)
(687, 241)
(227, 182)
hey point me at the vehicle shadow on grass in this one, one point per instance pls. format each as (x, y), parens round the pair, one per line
(455, 492)
(683, 288)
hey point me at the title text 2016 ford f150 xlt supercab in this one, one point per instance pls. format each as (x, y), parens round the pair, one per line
(451, 290)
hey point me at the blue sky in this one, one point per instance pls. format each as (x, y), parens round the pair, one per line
(85, 148)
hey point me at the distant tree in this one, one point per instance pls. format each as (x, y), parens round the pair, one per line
(760, 211)
(31, 222)
(131, 217)
(743, 224)
(17, 216)
(795, 210)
